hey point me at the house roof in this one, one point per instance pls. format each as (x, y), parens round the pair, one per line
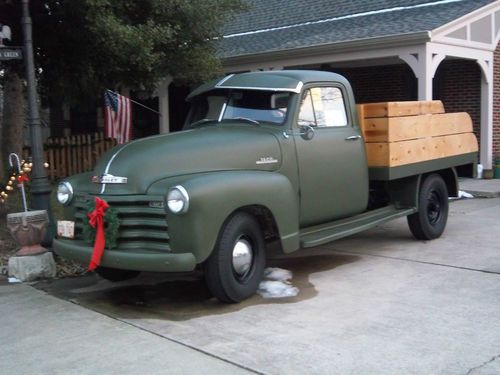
(276, 25)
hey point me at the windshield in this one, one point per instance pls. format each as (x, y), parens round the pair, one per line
(253, 106)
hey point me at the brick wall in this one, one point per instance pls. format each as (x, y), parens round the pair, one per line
(382, 83)
(496, 103)
(457, 83)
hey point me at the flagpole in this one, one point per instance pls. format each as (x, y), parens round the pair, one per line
(133, 101)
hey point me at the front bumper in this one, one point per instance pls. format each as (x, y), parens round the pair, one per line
(80, 252)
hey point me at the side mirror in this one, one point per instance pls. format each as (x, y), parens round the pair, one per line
(306, 132)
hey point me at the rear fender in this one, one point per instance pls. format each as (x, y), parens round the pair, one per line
(404, 192)
(450, 178)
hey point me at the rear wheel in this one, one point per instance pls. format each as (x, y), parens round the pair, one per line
(235, 268)
(115, 274)
(430, 220)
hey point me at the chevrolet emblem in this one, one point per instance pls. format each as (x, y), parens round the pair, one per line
(109, 179)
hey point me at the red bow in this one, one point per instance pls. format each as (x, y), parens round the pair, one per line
(22, 178)
(96, 220)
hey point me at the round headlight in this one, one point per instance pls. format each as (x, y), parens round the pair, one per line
(64, 192)
(178, 200)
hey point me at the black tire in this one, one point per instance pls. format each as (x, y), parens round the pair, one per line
(233, 281)
(115, 274)
(430, 220)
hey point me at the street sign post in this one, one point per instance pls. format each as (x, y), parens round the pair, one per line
(11, 53)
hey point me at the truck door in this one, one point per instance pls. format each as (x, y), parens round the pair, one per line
(331, 157)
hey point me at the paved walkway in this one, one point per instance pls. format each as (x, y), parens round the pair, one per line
(42, 334)
(481, 188)
(378, 302)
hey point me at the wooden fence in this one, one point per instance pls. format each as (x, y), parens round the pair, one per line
(73, 154)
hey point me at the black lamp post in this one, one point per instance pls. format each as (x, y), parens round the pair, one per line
(40, 186)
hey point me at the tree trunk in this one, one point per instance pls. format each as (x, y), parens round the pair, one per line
(13, 120)
(11, 131)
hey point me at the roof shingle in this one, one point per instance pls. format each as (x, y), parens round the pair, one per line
(275, 25)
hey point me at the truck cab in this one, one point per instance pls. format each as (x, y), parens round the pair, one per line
(313, 117)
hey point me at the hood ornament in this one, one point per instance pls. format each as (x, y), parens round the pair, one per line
(109, 179)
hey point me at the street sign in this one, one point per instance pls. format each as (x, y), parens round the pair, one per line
(15, 53)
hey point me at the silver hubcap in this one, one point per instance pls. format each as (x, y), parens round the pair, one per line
(242, 257)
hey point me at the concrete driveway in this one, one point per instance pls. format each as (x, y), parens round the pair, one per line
(376, 303)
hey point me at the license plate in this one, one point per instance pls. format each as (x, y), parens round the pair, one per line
(66, 228)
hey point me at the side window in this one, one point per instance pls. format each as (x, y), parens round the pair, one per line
(325, 106)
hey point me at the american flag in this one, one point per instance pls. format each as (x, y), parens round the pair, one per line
(118, 116)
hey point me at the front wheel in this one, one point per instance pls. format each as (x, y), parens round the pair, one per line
(430, 220)
(235, 268)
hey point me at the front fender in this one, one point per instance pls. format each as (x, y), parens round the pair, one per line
(215, 196)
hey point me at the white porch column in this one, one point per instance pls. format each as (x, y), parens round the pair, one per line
(486, 150)
(164, 123)
(421, 64)
(426, 77)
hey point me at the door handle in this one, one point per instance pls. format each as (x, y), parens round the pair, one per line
(353, 138)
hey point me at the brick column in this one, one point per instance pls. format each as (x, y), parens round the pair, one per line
(496, 103)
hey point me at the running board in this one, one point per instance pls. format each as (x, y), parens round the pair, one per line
(321, 234)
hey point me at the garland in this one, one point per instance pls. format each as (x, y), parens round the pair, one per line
(16, 178)
(111, 225)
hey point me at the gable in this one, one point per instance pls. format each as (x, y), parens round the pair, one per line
(480, 29)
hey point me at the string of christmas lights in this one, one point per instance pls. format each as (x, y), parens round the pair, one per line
(21, 177)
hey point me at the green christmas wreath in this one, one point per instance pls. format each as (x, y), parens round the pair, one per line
(111, 226)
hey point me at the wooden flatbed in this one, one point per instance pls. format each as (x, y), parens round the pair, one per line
(408, 138)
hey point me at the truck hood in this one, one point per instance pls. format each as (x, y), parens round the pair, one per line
(214, 148)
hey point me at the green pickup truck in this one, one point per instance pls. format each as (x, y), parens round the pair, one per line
(264, 158)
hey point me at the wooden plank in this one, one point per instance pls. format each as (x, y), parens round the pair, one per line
(80, 153)
(57, 161)
(394, 129)
(100, 145)
(64, 166)
(94, 149)
(431, 107)
(88, 154)
(60, 157)
(76, 154)
(51, 159)
(74, 157)
(71, 156)
(360, 108)
(396, 109)
(417, 150)
(69, 165)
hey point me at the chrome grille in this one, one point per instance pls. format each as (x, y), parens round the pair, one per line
(142, 227)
